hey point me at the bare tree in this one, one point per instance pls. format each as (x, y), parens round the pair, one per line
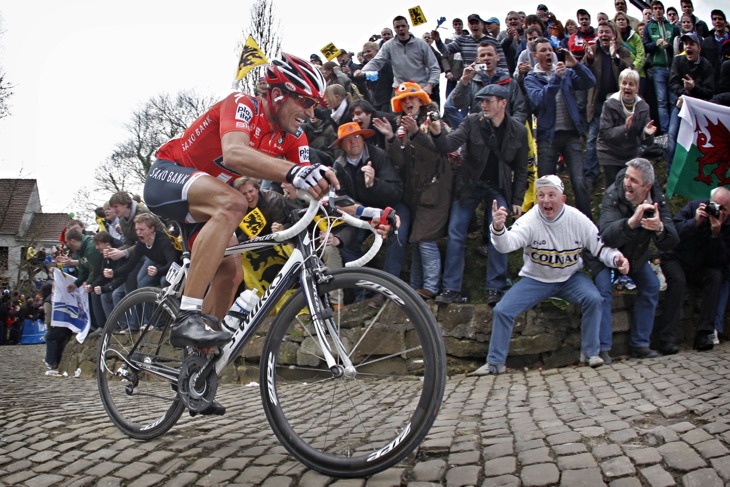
(264, 27)
(158, 120)
(6, 90)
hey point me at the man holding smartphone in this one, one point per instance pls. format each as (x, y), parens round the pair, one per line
(551, 88)
(634, 213)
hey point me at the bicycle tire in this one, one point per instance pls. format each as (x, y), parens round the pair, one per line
(354, 427)
(150, 408)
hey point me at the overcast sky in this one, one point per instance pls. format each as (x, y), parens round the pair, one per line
(80, 68)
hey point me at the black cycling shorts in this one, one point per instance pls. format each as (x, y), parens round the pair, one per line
(166, 190)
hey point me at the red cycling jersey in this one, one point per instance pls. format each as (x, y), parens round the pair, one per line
(200, 145)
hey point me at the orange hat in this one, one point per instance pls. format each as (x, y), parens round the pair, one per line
(348, 130)
(409, 88)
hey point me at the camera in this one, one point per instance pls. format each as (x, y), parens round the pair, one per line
(434, 116)
(649, 213)
(713, 209)
(481, 67)
(561, 55)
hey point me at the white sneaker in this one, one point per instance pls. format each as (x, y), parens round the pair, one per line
(715, 338)
(490, 369)
(592, 361)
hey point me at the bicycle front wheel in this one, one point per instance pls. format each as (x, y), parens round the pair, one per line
(364, 421)
(137, 368)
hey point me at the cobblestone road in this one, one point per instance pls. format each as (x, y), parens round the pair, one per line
(657, 422)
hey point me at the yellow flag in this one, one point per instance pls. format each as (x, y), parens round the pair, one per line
(417, 17)
(253, 222)
(330, 51)
(251, 57)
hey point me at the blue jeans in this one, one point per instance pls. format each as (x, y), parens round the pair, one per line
(567, 143)
(665, 99)
(459, 218)
(674, 123)
(721, 306)
(647, 286)
(527, 292)
(426, 266)
(591, 170)
(144, 279)
(395, 248)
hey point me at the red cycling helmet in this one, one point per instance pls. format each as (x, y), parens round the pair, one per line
(297, 76)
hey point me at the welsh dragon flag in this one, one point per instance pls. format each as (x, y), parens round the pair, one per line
(702, 159)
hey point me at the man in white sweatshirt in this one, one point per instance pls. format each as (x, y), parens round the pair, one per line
(553, 235)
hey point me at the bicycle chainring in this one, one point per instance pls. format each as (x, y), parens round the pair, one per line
(196, 399)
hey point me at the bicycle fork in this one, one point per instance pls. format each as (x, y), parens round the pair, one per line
(322, 321)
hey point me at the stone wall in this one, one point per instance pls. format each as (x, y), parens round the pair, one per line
(547, 336)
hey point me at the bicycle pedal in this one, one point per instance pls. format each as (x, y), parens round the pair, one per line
(215, 409)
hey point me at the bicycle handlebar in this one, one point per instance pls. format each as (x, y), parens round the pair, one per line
(303, 222)
(377, 243)
(309, 215)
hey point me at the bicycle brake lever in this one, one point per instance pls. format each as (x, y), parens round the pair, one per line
(388, 216)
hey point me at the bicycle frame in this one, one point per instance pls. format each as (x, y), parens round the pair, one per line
(303, 264)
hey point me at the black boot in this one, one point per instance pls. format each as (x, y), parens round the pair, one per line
(189, 329)
(703, 341)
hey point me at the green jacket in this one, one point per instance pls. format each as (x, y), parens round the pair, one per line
(659, 57)
(635, 45)
(89, 262)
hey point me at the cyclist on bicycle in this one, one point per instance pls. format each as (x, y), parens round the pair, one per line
(239, 135)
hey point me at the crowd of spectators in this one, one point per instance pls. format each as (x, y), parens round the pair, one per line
(597, 96)
(573, 95)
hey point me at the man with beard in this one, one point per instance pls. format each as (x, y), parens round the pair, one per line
(691, 75)
(606, 59)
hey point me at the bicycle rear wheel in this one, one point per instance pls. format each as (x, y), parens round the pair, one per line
(362, 423)
(134, 342)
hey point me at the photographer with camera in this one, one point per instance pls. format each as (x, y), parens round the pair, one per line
(701, 258)
(634, 213)
(482, 72)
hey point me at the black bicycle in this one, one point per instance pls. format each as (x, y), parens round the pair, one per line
(349, 387)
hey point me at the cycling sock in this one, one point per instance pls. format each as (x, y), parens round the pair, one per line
(191, 304)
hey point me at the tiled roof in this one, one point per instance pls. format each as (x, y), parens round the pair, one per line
(14, 196)
(47, 226)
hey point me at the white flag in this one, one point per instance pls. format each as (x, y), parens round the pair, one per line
(70, 310)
